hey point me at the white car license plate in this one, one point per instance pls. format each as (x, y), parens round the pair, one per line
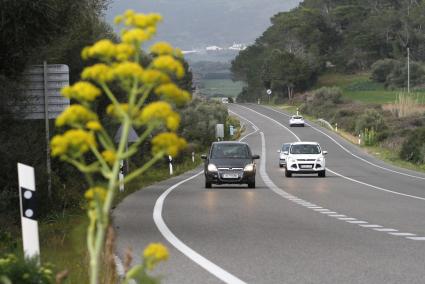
(306, 166)
(230, 175)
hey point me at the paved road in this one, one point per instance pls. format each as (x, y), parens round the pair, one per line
(363, 223)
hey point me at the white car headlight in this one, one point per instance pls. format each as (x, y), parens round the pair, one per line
(292, 160)
(212, 168)
(249, 168)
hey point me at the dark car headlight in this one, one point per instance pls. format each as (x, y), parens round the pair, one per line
(249, 168)
(212, 168)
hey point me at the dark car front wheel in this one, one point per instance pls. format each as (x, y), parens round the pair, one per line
(288, 174)
(207, 184)
(251, 184)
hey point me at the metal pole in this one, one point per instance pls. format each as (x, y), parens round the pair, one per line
(408, 70)
(46, 120)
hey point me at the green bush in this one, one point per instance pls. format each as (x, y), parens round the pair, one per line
(20, 271)
(413, 149)
(370, 119)
(381, 69)
(369, 137)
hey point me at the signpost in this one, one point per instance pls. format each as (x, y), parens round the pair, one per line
(219, 131)
(27, 199)
(41, 99)
(269, 93)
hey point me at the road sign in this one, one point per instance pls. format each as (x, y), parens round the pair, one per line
(41, 88)
(132, 135)
(27, 198)
(269, 92)
(219, 131)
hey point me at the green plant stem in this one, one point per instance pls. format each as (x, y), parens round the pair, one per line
(133, 148)
(142, 169)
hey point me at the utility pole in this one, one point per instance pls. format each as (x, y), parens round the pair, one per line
(408, 70)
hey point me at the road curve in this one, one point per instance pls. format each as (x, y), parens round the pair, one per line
(363, 223)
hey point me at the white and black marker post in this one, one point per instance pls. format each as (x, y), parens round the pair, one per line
(27, 198)
(193, 157)
(170, 160)
(121, 176)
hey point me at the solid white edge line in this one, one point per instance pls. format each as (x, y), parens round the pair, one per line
(338, 174)
(349, 152)
(209, 266)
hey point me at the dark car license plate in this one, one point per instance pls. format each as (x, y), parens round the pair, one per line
(230, 175)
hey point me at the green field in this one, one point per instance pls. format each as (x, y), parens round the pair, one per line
(359, 87)
(220, 87)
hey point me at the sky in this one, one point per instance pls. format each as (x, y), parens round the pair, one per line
(191, 24)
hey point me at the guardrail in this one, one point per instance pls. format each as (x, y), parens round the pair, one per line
(326, 124)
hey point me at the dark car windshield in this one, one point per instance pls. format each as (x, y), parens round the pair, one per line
(297, 117)
(285, 147)
(230, 151)
(305, 149)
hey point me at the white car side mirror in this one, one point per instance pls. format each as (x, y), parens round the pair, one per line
(278, 151)
(285, 152)
(324, 152)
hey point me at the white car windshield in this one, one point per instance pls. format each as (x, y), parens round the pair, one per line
(285, 147)
(305, 149)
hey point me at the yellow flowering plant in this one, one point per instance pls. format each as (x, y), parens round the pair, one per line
(88, 146)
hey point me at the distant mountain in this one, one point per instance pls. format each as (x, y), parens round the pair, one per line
(199, 23)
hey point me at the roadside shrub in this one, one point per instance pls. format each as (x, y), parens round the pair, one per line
(327, 94)
(370, 119)
(18, 270)
(382, 68)
(413, 149)
(369, 137)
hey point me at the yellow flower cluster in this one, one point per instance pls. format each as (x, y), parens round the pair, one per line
(94, 125)
(109, 156)
(100, 72)
(173, 93)
(154, 77)
(130, 18)
(81, 91)
(169, 143)
(94, 193)
(155, 253)
(75, 115)
(162, 48)
(160, 111)
(107, 50)
(138, 35)
(116, 111)
(73, 142)
(169, 64)
(127, 70)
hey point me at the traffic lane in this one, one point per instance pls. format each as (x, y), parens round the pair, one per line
(262, 238)
(349, 166)
(348, 198)
(135, 229)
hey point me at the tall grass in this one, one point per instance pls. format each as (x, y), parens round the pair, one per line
(406, 105)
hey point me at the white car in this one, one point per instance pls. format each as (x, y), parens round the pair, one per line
(305, 158)
(283, 154)
(296, 120)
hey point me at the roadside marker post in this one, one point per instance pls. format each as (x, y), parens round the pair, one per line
(360, 139)
(27, 200)
(121, 175)
(193, 157)
(336, 127)
(170, 160)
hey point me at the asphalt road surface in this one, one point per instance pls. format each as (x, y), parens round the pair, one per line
(363, 223)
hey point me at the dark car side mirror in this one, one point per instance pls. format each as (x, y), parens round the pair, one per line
(203, 157)
(255, 157)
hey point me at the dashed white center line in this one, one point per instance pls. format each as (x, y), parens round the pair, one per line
(328, 212)
(385, 230)
(371, 226)
(402, 234)
(347, 219)
(337, 215)
(416, 238)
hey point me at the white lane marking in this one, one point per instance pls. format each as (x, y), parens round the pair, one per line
(371, 226)
(357, 222)
(351, 153)
(328, 212)
(416, 238)
(319, 210)
(337, 215)
(209, 266)
(294, 199)
(385, 230)
(338, 174)
(402, 234)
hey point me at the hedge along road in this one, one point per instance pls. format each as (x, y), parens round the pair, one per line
(287, 230)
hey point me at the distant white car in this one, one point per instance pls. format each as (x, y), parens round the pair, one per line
(283, 154)
(296, 120)
(305, 158)
(225, 100)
